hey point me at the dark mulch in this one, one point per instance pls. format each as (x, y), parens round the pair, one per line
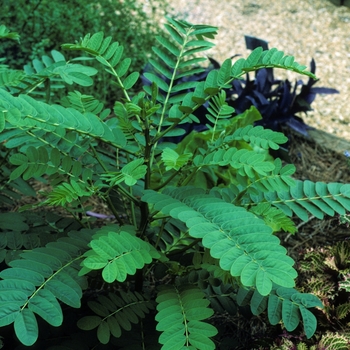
(315, 162)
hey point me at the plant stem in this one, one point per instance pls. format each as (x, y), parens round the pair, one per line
(114, 211)
(166, 181)
(184, 249)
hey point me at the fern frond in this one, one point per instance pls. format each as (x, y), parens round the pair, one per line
(115, 312)
(66, 193)
(283, 304)
(10, 77)
(51, 73)
(219, 109)
(13, 190)
(174, 62)
(258, 136)
(34, 284)
(109, 54)
(173, 236)
(274, 217)
(118, 254)
(83, 103)
(23, 231)
(246, 162)
(272, 58)
(243, 243)
(222, 299)
(180, 312)
(37, 162)
(28, 114)
(310, 197)
(128, 115)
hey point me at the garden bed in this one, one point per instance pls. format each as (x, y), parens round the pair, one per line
(306, 29)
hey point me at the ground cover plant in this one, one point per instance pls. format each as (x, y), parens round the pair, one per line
(192, 224)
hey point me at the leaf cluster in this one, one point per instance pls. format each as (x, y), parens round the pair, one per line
(114, 313)
(35, 283)
(181, 310)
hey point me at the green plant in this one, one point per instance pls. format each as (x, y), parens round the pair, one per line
(325, 273)
(44, 25)
(186, 217)
(329, 341)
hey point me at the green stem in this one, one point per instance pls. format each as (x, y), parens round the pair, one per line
(184, 249)
(132, 205)
(172, 80)
(75, 217)
(159, 236)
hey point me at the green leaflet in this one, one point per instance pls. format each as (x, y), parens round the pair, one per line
(11, 78)
(181, 311)
(119, 254)
(134, 171)
(173, 160)
(130, 173)
(309, 321)
(26, 327)
(49, 73)
(66, 289)
(290, 315)
(283, 304)
(115, 312)
(34, 283)
(76, 74)
(45, 304)
(6, 33)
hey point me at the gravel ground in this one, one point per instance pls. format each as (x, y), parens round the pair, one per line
(306, 29)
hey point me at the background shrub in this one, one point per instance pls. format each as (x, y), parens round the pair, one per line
(44, 25)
